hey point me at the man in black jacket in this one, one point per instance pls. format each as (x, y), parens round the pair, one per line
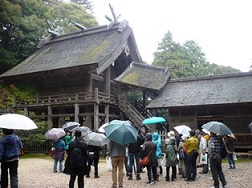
(134, 150)
(93, 158)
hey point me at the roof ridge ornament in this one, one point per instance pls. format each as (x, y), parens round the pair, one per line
(112, 21)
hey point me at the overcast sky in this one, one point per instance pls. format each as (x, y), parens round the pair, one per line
(222, 28)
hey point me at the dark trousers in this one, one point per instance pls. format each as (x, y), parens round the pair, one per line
(80, 181)
(134, 162)
(217, 173)
(95, 161)
(152, 170)
(13, 170)
(231, 159)
(191, 168)
(173, 173)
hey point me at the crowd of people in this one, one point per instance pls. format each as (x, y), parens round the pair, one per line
(183, 155)
(179, 155)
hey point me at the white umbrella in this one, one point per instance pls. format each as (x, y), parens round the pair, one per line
(55, 133)
(16, 121)
(101, 129)
(182, 129)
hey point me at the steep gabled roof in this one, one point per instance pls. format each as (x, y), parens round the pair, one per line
(225, 89)
(96, 47)
(143, 75)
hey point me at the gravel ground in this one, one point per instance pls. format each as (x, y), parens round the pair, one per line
(34, 172)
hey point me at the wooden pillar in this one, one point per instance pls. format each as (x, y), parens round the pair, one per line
(144, 104)
(107, 91)
(26, 112)
(96, 110)
(125, 100)
(107, 113)
(107, 81)
(76, 112)
(49, 119)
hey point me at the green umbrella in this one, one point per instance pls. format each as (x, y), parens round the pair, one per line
(121, 132)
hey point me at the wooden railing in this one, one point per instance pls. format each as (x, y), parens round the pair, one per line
(81, 97)
(133, 114)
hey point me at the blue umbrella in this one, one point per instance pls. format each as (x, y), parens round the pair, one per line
(154, 120)
(217, 128)
(121, 132)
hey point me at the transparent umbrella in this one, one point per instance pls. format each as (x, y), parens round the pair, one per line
(217, 128)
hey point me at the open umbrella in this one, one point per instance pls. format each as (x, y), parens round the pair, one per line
(55, 133)
(250, 126)
(69, 126)
(101, 129)
(96, 139)
(217, 128)
(153, 120)
(182, 129)
(121, 132)
(84, 130)
(206, 131)
(16, 121)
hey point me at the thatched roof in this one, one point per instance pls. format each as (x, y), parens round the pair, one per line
(94, 48)
(143, 75)
(225, 89)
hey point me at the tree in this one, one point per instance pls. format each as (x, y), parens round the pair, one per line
(86, 3)
(185, 60)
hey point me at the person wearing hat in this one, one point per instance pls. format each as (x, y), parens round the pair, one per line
(203, 150)
(10, 146)
(78, 152)
(191, 146)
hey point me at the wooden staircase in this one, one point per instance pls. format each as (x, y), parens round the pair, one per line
(132, 114)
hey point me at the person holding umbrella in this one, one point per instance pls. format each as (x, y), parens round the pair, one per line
(10, 146)
(134, 150)
(59, 154)
(214, 149)
(68, 138)
(117, 153)
(76, 162)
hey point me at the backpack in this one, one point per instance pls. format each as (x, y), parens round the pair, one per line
(76, 158)
(223, 151)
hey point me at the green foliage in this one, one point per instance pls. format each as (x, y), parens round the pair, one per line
(21, 29)
(36, 135)
(186, 60)
(8, 94)
(86, 3)
(64, 16)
